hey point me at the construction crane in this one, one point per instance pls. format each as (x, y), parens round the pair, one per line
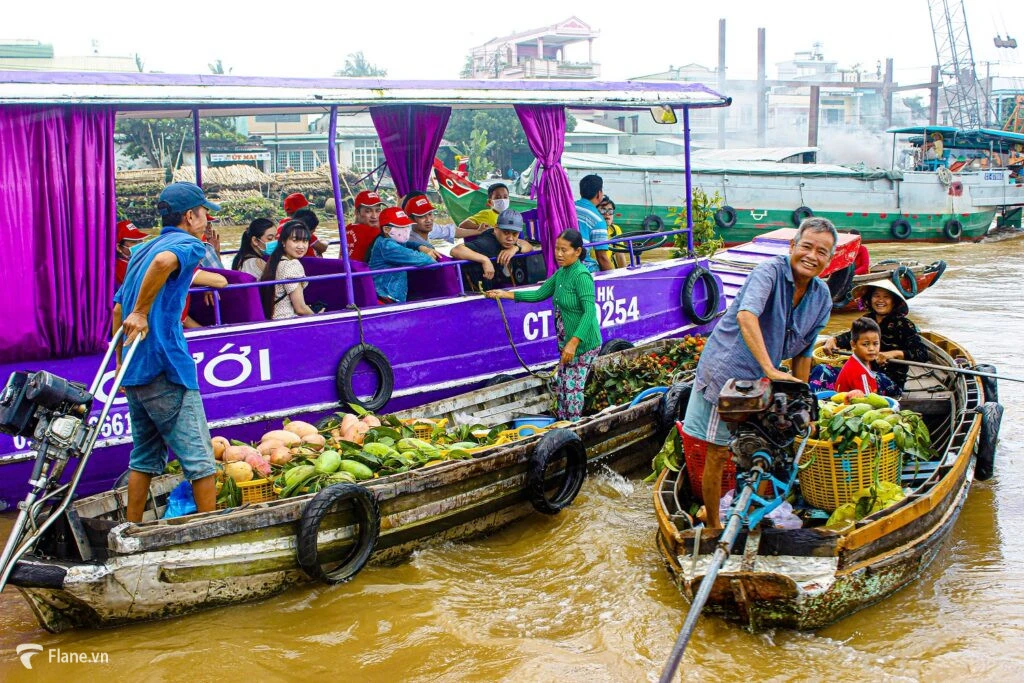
(963, 92)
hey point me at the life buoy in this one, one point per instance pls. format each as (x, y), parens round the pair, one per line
(938, 267)
(672, 408)
(614, 346)
(653, 222)
(725, 217)
(347, 367)
(991, 417)
(367, 517)
(990, 385)
(800, 214)
(897, 279)
(900, 228)
(554, 446)
(953, 229)
(700, 274)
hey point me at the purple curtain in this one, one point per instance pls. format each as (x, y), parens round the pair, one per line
(57, 230)
(544, 126)
(410, 136)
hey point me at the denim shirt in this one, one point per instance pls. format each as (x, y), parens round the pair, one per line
(387, 253)
(788, 332)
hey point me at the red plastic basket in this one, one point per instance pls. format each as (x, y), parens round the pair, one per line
(695, 451)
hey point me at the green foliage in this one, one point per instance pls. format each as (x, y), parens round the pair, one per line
(163, 142)
(140, 209)
(480, 164)
(356, 65)
(705, 241)
(503, 130)
(619, 381)
(244, 211)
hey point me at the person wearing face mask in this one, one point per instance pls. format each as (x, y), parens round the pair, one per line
(127, 237)
(253, 250)
(389, 250)
(497, 201)
(286, 300)
(501, 243)
(161, 383)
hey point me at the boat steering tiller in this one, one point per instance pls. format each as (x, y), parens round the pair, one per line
(766, 417)
(54, 414)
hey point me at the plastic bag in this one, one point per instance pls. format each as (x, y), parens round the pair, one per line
(181, 501)
(782, 517)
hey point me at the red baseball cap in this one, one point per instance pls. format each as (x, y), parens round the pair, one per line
(126, 230)
(418, 206)
(394, 217)
(294, 202)
(368, 198)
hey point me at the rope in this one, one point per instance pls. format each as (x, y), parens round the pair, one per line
(359, 318)
(545, 376)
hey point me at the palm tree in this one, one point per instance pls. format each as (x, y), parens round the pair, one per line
(356, 65)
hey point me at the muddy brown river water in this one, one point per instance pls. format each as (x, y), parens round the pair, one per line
(584, 595)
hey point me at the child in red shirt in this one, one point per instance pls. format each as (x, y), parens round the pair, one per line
(866, 339)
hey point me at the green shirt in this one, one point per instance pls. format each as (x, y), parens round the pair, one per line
(573, 291)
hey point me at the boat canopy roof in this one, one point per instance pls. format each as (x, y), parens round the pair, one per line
(676, 163)
(979, 138)
(171, 95)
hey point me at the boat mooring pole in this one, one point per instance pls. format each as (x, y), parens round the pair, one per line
(725, 541)
(197, 148)
(339, 208)
(689, 180)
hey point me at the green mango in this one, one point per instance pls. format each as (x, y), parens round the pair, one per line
(356, 469)
(377, 450)
(870, 415)
(859, 409)
(876, 401)
(328, 462)
(881, 426)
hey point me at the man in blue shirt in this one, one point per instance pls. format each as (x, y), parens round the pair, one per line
(777, 315)
(592, 225)
(161, 383)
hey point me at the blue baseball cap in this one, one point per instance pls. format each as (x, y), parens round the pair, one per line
(180, 197)
(510, 219)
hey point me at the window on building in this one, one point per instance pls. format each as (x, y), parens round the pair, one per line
(833, 117)
(308, 162)
(588, 147)
(367, 155)
(634, 122)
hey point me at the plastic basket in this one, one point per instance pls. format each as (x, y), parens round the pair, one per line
(821, 357)
(695, 452)
(829, 480)
(257, 491)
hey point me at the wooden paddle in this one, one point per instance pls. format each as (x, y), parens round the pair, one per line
(946, 368)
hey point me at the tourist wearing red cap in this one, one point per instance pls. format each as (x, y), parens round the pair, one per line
(294, 202)
(361, 234)
(421, 211)
(127, 237)
(389, 250)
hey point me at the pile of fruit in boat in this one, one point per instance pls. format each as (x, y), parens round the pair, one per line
(621, 380)
(302, 458)
(853, 415)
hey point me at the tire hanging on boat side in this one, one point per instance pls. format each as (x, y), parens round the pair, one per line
(990, 385)
(347, 367)
(953, 229)
(725, 217)
(991, 417)
(615, 345)
(700, 274)
(654, 223)
(800, 214)
(672, 408)
(367, 517)
(900, 228)
(897, 279)
(555, 445)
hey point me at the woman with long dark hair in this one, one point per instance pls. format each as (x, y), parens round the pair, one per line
(579, 332)
(253, 249)
(286, 300)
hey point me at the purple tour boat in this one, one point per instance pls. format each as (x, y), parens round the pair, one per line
(58, 215)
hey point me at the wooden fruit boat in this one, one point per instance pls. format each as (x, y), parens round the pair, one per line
(911, 277)
(95, 570)
(810, 577)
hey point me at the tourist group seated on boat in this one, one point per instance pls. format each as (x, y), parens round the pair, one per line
(501, 242)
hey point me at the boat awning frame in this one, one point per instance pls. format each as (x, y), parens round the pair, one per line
(167, 96)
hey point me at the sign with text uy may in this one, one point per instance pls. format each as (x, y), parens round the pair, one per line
(239, 156)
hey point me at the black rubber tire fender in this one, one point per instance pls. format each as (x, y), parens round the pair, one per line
(840, 284)
(672, 408)
(990, 385)
(800, 214)
(937, 267)
(953, 229)
(615, 345)
(368, 514)
(653, 223)
(498, 379)
(897, 279)
(991, 417)
(347, 367)
(554, 445)
(900, 228)
(700, 274)
(725, 217)
(656, 241)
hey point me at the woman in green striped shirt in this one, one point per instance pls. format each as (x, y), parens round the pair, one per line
(579, 332)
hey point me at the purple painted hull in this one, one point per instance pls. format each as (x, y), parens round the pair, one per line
(252, 375)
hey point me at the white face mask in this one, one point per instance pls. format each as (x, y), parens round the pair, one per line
(400, 235)
(499, 205)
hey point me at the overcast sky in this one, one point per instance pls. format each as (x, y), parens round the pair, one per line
(430, 39)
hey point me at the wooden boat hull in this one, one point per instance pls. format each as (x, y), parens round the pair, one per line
(807, 579)
(172, 567)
